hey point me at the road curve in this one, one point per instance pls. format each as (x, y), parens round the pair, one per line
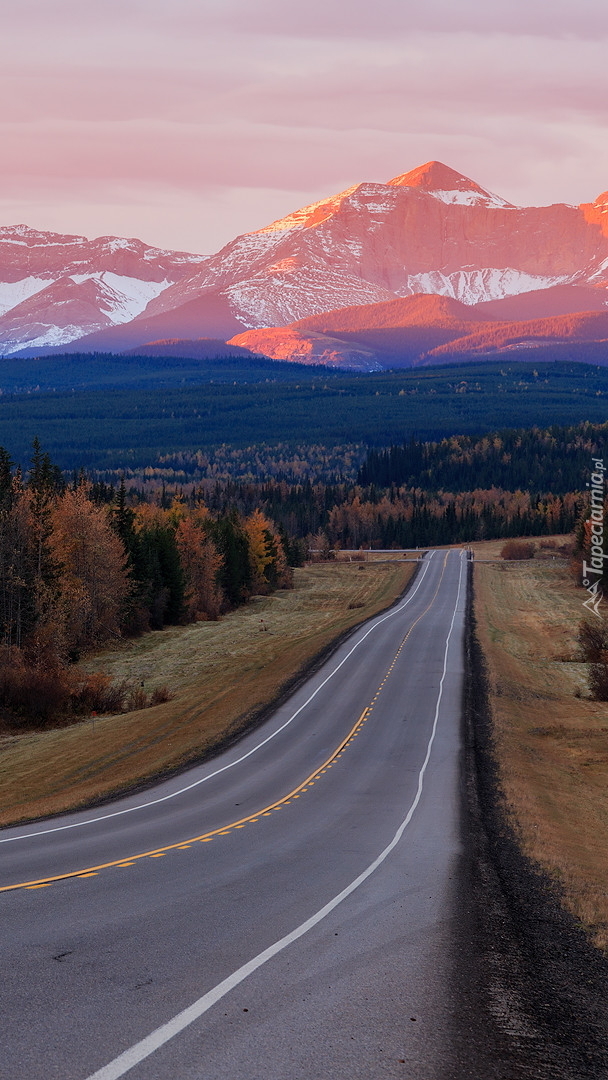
(285, 911)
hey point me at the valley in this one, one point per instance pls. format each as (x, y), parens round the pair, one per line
(418, 364)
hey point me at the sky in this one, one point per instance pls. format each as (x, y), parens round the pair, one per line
(188, 122)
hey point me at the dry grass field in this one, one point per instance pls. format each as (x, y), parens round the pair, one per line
(552, 745)
(220, 675)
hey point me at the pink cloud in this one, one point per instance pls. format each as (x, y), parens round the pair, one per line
(231, 114)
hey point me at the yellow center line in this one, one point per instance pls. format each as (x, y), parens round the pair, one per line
(205, 838)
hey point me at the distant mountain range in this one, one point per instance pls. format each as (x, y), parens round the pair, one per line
(55, 289)
(425, 266)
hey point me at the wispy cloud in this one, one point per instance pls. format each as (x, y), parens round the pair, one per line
(198, 119)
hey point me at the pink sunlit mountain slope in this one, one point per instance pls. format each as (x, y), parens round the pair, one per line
(428, 231)
(428, 329)
(55, 289)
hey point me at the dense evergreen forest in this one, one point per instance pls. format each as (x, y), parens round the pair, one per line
(136, 429)
(555, 459)
(96, 371)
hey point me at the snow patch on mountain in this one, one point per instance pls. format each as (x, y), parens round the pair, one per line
(275, 299)
(243, 253)
(14, 292)
(475, 286)
(49, 336)
(24, 236)
(122, 298)
(471, 198)
(600, 272)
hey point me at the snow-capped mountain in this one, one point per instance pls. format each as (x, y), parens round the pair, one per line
(431, 230)
(428, 231)
(55, 289)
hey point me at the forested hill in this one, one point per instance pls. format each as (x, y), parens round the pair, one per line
(126, 427)
(555, 459)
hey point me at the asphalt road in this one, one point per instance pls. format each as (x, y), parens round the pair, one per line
(284, 911)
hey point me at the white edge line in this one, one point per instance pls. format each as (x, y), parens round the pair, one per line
(141, 1050)
(237, 761)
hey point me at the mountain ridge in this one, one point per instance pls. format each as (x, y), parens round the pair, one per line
(428, 329)
(429, 231)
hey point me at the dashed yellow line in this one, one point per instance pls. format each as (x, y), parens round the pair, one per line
(267, 811)
(156, 853)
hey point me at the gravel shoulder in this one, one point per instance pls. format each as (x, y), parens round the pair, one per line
(530, 989)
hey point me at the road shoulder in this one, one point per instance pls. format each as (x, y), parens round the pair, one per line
(530, 991)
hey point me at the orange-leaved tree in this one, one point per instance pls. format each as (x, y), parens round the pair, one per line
(93, 581)
(201, 564)
(258, 531)
(269, 568)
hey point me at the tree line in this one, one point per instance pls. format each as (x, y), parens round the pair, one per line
(83, 562)
(554, 459)
(77, 571)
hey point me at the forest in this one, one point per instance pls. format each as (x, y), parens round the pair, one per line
(512, 482)
(76, 572)
(84, 560)
(133, 429)
(537, 459)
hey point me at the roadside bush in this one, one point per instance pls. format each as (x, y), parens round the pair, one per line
(593, 640)
(45, 695)
(598, 681)
(160, 695)
(96, 694)
(136, 699)
(35, 695)
(517, 549)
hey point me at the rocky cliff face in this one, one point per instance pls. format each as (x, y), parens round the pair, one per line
(428, 231)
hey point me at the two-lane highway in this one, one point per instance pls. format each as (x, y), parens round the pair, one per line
(283, 911)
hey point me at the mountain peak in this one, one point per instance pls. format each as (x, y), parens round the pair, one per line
(449, 186)
(434, 175)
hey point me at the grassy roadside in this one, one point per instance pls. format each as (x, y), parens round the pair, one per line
(222, 675)
(551, 745)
